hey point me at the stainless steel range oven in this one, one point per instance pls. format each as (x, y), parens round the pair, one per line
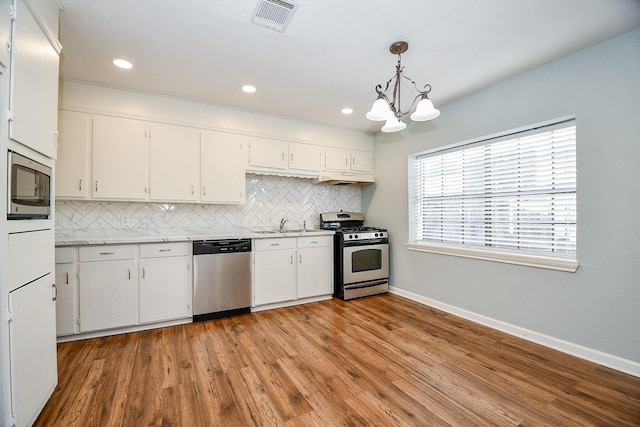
(361, 255)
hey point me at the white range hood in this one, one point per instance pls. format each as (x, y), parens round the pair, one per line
(343, 179)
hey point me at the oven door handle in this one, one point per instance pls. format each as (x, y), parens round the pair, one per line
(369, 242)
(366, 284)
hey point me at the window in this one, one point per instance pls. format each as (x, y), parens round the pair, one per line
(511, 198)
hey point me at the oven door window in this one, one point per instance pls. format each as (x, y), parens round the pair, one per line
(366, 260)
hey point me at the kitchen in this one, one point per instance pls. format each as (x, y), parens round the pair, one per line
(513, 302)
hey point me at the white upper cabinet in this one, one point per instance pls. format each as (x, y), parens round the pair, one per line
(362, 161)
(337, 159)
(222, 167)
(285, 158)
(305, 157)
(34, 84)
(173, 163)
(268, 153)
(72, 178)
(5, 31)
(119, 159)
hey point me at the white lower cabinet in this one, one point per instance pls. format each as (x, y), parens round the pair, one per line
(165, 282)
(291, 269)
(274, 270)
(315, 266)
(32, 348)
(106, 287)
(66, 285)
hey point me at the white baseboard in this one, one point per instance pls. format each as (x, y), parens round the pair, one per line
(614, 362)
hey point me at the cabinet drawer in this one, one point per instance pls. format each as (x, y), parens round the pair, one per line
(274, 244)
(64, 255)
(107, 252)
(314, 241)
(161, 250)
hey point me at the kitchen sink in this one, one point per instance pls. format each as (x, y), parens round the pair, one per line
(301, 230)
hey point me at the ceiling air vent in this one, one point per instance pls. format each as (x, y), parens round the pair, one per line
(274, 14)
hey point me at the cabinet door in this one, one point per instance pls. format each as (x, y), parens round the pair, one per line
(336, 159)
(274, 276)
(304, 157)
(108, 294)
(32, 347)
(72, 166)
(173, 162)
(315, 271)
(362, 161)
(34, 85)
(165, 289)
(65, 303)
(268, 153)
(222, 167)
(119, 159)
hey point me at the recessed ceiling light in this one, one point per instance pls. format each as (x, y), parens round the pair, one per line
(248, 88)
(121, 63)
(347, 110)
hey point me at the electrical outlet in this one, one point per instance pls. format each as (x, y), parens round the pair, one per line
(124, 220)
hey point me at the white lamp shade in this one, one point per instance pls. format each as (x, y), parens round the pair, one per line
(393, 125)
(379, 111)
(425, 111)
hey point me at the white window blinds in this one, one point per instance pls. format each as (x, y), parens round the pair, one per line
(514, 193)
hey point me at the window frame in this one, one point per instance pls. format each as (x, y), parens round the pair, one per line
(554, 261)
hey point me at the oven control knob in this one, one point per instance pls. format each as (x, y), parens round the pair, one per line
(356, 236)
(351, 236)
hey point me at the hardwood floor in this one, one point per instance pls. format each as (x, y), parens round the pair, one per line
(376, 361)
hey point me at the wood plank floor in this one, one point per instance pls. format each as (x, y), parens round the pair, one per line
(376, 361)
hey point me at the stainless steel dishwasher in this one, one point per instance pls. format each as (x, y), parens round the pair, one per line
(221, 278)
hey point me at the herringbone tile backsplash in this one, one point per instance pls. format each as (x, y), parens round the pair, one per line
(269, 198)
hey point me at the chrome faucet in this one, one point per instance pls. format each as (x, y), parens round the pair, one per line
(283, 221)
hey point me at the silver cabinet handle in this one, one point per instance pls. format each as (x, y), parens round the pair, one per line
(291, 259)
(67, 279)
(80, 185)
(165, 250)
(96, 185)
(204, 191)
(55, 292)
(129, 270)
(282, 157)
(353, 161)
(300, 262)
(193, 189)
(275, 244)
(106, 253)
(291, 157)
(143, 272)
(346, 161)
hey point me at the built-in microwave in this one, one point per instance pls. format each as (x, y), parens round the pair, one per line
(29, 188)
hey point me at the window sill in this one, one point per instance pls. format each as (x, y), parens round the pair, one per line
(540, 261)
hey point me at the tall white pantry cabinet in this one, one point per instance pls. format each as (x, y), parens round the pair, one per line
(29, 61)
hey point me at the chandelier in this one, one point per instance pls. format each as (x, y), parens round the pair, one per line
(389, 111)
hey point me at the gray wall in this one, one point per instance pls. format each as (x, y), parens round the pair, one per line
(598, 306)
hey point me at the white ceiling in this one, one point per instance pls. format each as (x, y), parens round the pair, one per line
(333, 53)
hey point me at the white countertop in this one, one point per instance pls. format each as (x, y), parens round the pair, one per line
(136, 235)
